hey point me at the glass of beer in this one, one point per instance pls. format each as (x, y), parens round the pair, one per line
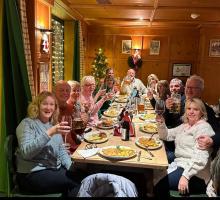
(127, 80)
(176, 103)
(141, 106)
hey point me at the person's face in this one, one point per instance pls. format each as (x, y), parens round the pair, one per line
(161, 89)
(75, 92)
(175, 87)
(193, 113)
(131, 73)
(110, 83)
(192, 89)
(62, 92)
(46, 109)
(89, 87)
(110, 73)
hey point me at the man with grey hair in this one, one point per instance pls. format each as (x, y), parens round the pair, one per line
(176, 86)
(127, 87)
(194, 88)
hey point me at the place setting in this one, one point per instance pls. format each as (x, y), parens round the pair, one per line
(118, 152)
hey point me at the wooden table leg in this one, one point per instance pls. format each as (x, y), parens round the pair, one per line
(149, 183)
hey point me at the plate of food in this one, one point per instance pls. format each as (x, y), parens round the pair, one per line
(117, 152)
(96, 137)
(148, 106)
(147, 142)
(148, 116)
(121, 99)
(112, 112)
(149, 127)
(106, 123)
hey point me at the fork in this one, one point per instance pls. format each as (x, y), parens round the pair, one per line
(151, 136)
(151, 154)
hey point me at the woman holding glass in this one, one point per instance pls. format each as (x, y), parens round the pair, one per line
(189, 172)
(89, 102)
(43, 164)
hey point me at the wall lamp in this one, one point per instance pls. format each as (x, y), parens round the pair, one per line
(43, 30)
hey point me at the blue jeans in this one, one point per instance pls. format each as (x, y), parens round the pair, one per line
(51, 181)
(171, 181)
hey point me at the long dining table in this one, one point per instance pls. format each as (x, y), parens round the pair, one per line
(145, 164)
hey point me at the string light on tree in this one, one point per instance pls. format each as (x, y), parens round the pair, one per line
(57, 51)
(99, 65)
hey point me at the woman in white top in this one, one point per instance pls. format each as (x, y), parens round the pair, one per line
(190, 172)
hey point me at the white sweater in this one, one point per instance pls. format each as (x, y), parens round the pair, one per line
(193, 160)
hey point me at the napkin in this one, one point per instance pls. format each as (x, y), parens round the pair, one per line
(88, 152)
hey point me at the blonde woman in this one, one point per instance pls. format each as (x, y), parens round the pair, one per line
(75, 92)
(190, 168)
(43, 164)
(88, 101)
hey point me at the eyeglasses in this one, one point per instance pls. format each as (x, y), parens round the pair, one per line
(90, 85)
(192, 88)
(90, 146)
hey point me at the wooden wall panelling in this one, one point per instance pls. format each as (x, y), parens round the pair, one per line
(209, 67)
(210, 73)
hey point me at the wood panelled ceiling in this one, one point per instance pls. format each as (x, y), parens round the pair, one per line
(151, 13)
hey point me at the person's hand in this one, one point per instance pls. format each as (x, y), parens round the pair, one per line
(150, 94)
(101, 92)
(169, 102)
(108, 96)
(160, 119)
(183, 185)
(204, 142)
(61, 128)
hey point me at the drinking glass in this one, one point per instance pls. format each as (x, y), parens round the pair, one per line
(176, 103)
(80, 121)
(127, 80)
(67, 118)
(160, 106)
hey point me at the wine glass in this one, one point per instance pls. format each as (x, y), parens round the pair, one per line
(160, 107)
(67, 118)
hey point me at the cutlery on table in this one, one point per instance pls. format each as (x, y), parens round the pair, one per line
(151, 136)
(151, 154)
(139, 156)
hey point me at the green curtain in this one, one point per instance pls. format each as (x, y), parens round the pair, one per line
(76, 56)
(15, 87)
(3, 164)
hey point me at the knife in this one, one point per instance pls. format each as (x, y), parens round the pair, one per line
(139, 156)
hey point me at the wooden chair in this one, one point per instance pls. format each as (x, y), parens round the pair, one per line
(10, 146)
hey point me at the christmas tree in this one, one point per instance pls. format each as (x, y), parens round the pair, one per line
(99, 65)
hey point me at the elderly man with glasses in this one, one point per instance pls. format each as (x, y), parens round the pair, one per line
(193, 88)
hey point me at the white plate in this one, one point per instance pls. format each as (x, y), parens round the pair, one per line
(148, 130)
(100, 125)
(121, 99)
(158, 142)
(108, 113)
(148, 117)
(117, 157)
(92, 137)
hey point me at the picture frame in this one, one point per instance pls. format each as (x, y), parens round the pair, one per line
(154, 47)
(214, 48)
(126, 46)
(182, 69)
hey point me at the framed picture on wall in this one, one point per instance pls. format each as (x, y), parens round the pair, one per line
(214, 48)
(126, 46)
(180, 69)
(154, 47)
